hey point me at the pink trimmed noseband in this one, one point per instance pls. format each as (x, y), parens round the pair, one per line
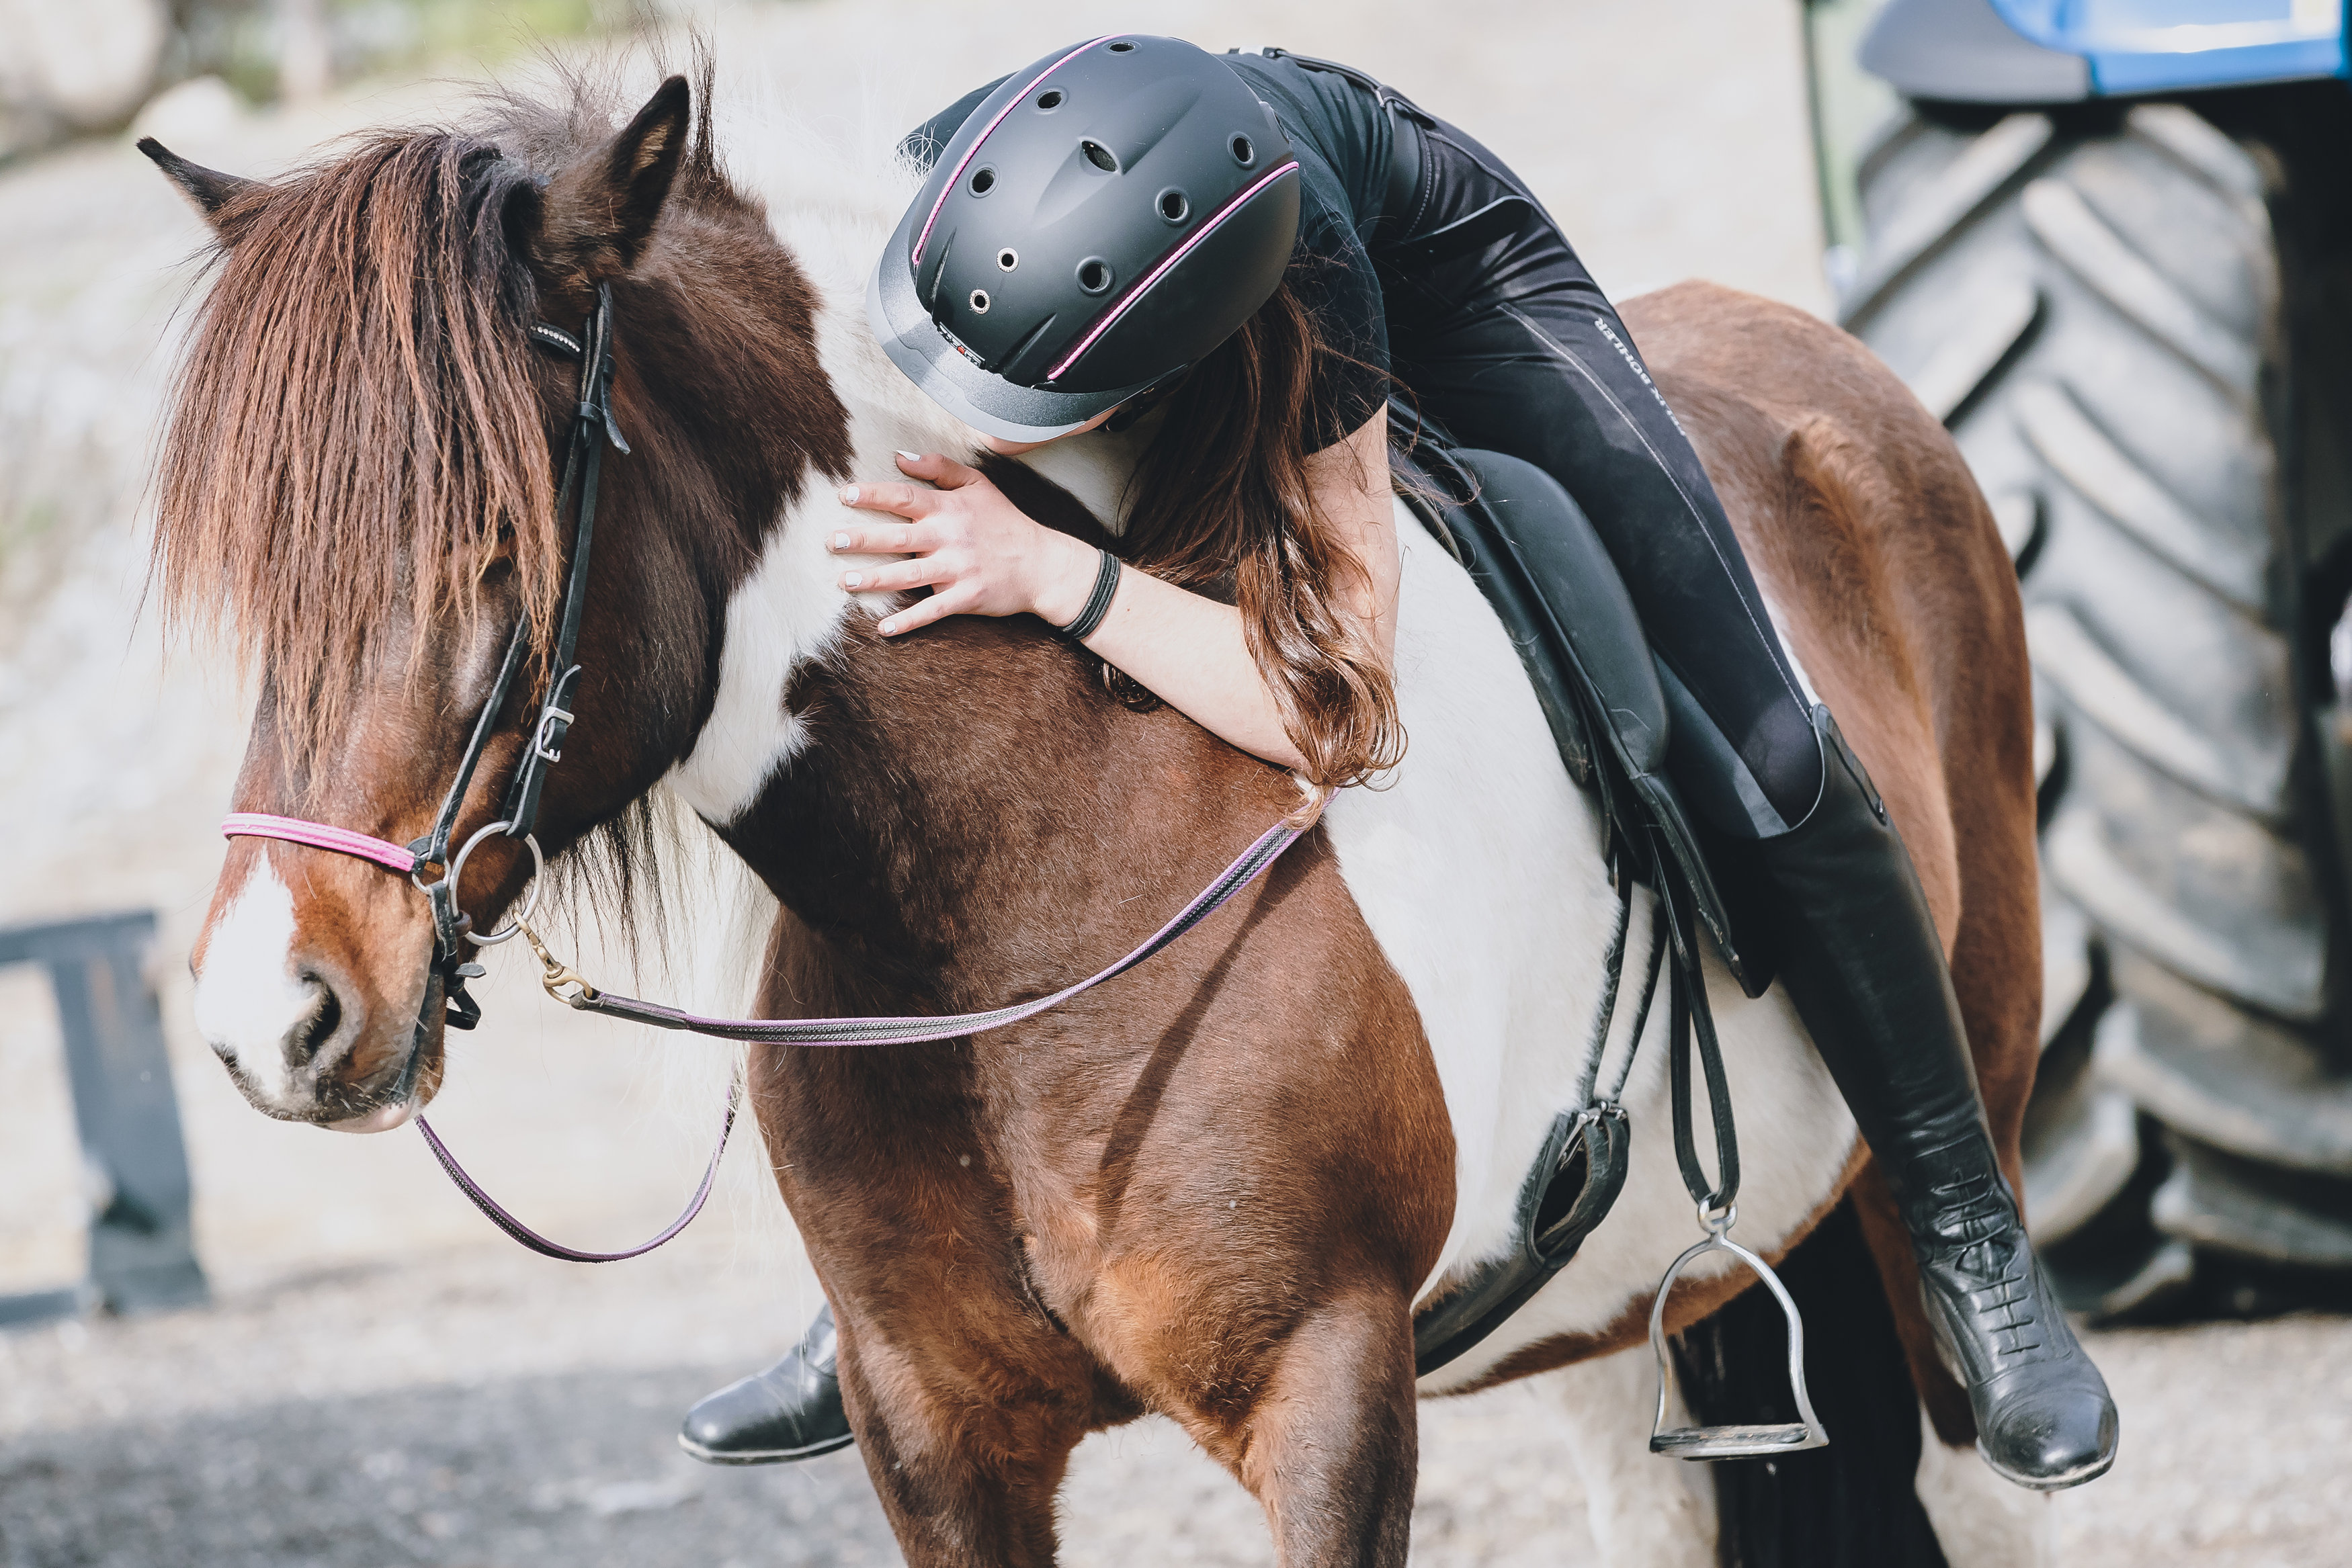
(319, 836)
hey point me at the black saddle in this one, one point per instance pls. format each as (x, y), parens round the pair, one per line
(1623, 724)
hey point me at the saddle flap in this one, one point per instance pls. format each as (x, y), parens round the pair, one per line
(1541, 563)
(1435, 492)
(1570, 1190)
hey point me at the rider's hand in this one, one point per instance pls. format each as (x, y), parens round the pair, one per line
(978, 552)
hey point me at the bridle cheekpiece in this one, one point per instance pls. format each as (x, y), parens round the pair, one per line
(592, 427)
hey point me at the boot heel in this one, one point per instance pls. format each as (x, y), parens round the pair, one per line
(1732, 1442)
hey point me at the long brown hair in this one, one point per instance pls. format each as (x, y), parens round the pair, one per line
(1222, 496)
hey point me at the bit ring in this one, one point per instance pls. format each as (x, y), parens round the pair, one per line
(531, 903)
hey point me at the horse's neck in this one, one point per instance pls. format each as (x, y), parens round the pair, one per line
(891, 792)
(969, 816)
(959, 810)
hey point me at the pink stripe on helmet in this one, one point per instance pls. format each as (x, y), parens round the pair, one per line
(1155, 274)
(924, 238)
(318, 836)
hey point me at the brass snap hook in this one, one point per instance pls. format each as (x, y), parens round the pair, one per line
(556, 974)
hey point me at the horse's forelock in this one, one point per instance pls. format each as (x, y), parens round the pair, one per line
(356, 428)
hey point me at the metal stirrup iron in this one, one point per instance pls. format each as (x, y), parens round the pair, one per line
(1716, 1215)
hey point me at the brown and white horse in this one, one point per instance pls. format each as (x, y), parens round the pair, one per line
(1216, 1188)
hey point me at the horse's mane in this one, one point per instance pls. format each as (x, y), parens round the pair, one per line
(356, 425)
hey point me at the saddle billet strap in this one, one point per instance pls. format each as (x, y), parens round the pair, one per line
(1694, 1018)
(1595, 1135)
(593, 419)
(1549, 1235)
(1612, 973)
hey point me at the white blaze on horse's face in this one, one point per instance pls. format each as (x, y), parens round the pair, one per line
(263, 1006)
(249, 996)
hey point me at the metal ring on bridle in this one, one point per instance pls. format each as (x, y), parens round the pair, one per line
(531, 903)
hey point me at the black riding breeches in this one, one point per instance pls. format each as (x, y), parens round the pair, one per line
(1513, 348)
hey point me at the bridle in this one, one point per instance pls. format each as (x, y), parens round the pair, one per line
(448, 967)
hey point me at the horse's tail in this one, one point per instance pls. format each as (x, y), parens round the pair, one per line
(1852, 1504)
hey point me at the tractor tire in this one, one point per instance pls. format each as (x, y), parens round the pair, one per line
(2094, 302)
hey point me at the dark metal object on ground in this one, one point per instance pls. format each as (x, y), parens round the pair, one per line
(142, 1252)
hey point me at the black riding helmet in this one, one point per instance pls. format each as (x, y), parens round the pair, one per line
(1101, 221)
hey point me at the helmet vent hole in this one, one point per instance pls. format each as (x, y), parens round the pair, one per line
(1100, 156)
(1051, 99)
(1174, 206)
(980, 301)
(1094, 274)
(983, 180)
(1008, 260)
(1243, 153)
(1122, 46)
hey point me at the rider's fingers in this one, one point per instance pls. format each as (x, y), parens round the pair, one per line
(940, 469)
(906, 500)
(896, 576)
(922, 613)
(880, 539)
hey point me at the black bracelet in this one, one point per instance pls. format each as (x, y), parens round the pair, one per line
(1090, 619)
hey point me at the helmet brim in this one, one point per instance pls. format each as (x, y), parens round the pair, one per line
(987, 403)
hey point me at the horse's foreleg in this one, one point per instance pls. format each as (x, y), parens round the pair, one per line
(966, 1457)
(1647, 1511)
(1329, 1446)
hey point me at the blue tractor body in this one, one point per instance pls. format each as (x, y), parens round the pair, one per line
(2056, 51)
(2109, 243)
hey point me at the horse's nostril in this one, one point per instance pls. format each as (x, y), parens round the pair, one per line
(304, 1042)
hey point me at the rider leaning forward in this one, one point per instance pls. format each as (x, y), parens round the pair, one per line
(1249, 276)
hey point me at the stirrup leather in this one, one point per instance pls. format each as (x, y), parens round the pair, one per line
(1732, 1442)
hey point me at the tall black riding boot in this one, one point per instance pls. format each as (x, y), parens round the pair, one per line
(792, 1411)
(1862, 962)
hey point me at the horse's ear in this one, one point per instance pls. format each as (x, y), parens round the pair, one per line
(594, 219)
(208, 189)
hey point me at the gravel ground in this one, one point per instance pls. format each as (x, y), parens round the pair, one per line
(381, 1380)
(484, 1408)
